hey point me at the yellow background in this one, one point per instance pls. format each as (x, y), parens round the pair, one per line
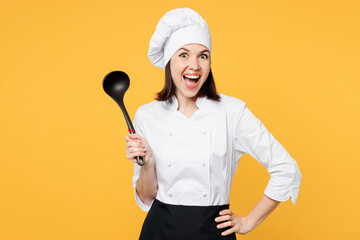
(63, 167)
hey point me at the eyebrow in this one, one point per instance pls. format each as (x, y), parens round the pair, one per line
(187, 50)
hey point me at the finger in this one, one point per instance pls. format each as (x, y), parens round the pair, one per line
(225, 224)
(224, 212)
(134, 136)
(131, 159)
(133, 144)
(132, 156)
(227, 232)
(222, 218)
(131, 136)
(135, 150)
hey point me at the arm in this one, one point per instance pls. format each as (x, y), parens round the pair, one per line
(144, 179)
(147, 186)
(261, 210)
(253, 138)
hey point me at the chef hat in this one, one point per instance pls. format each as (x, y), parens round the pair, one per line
(177, 28)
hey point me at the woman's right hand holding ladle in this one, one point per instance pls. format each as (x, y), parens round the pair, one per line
(138, 146)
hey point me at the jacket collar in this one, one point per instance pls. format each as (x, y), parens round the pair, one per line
(200, 102)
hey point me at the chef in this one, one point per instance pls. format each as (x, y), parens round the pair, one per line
(192, 139)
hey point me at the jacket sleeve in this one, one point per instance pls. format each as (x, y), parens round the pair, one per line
(253, 138)
(139, 129)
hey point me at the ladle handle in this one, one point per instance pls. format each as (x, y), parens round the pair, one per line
(139, 159)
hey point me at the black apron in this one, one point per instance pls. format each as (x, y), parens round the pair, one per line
(178, 222)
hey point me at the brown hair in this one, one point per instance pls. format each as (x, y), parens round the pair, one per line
(208, 89)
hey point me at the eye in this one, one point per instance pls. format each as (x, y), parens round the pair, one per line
(183, 55)
(204, 56)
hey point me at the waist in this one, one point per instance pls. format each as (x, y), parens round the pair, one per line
(178, 222)
(189, 205)
(191, 196)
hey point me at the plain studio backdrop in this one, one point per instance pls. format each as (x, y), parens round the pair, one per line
(63, 167)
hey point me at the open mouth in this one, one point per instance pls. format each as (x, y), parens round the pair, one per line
(191, 81)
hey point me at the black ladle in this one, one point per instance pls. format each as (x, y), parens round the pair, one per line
(115, 84)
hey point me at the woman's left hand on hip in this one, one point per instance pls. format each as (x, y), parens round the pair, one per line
(238, 224)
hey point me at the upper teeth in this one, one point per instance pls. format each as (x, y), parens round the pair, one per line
(192, 77)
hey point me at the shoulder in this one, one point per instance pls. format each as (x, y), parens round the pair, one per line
(150, 108)
(232, 104)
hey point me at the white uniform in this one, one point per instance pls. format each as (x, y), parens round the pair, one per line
(196, 158)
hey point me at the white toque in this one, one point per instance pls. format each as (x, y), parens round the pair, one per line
(177, 28)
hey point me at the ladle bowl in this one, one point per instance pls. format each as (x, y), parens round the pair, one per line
(115, 84)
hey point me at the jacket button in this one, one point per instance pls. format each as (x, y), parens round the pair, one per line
(169, 164)
(203, 132)
(204, 194)
(204, 164)
(170, 134)
(170, 194)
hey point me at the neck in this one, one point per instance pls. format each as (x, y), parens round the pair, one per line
(185, 103)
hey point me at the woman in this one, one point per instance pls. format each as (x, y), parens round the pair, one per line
(192, 139)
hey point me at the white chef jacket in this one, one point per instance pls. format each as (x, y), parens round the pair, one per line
(196, 157)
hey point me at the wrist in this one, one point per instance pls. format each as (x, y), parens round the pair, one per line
(149, 163)
(250, 222)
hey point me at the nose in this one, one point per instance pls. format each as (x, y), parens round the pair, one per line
(194, 63)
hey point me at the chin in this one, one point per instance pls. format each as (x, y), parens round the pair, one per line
(191, 94)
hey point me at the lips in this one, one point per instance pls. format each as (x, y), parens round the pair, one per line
(191, 80)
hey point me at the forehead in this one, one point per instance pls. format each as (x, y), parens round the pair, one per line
(193, 47)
